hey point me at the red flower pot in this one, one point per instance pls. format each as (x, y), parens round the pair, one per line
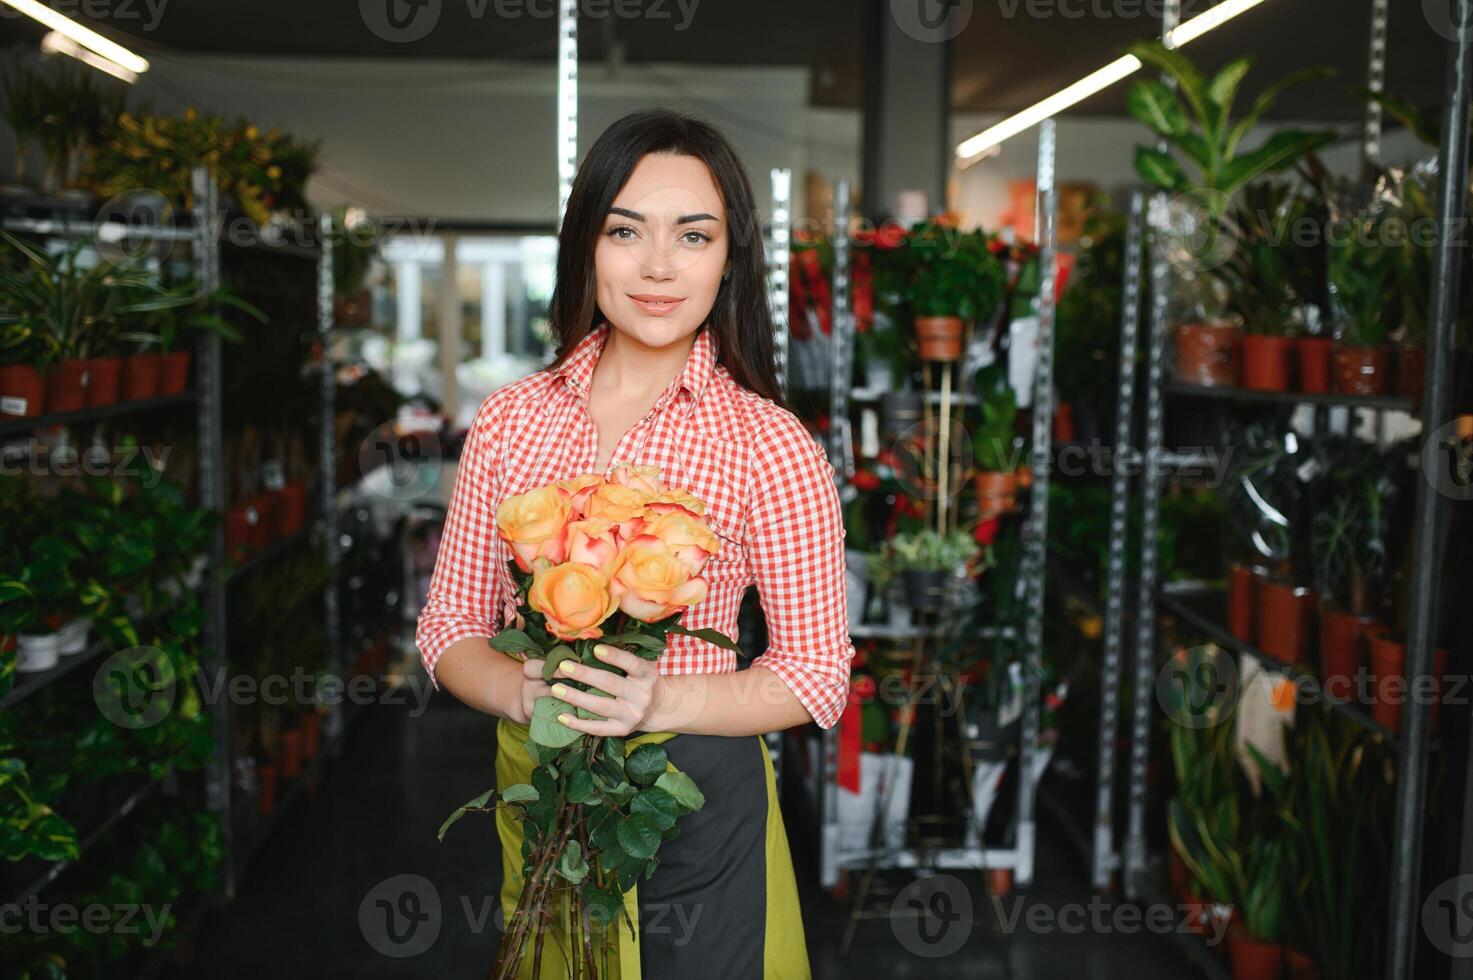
(1301, 965)
(1265, 362)
(1207, 353)
(22, 391)
(141, 377)
(1241, 598)
(293, 516)
(289, 745)
(174, 373)
(1314, 364)
(1253, 960)
(997, 493)
(1410, 367)
(1392, 690)
(1342, 650)
(1360, 370)
(268, 511)
(1064, 423)
(1283, 620)
(104, 381)
(240, 531)
(939, 337)
(66, 389)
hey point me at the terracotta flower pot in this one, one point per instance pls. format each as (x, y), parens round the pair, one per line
(1301, 965)
(1359, 370)
(1391, 691)
(997, 493)
(141, 377)
(22, 391)
(1241, 600)
(1265, 362)
(1207, 353)
(939, 337)
(1253, 960)
(1314, 364)
(240, 531)
(1411, 364)
(66, 389)
(1283, 620)
(293, 516)
(290, 748)
(174, 372)
(1064, 423)
(266, 776)
(1181, 878)
(104, 381)
(268, 524)
(1342, 650)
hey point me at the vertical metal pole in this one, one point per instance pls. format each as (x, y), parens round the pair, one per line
(221, 773)
(779, 261)
(839, 382)
(1375, 82)
(1036, 539)
(1429, 527)
(567, 103)
(1104, 860)
(328, 475)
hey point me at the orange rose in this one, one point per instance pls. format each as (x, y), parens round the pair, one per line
(535, 525)
(593, 542)
(649, 582)
(574, 597)
(621, 505)
(645, 479)
(668, 501)
(687, 538)
(579, 489)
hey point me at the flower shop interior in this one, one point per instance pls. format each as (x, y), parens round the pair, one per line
(1144, 371)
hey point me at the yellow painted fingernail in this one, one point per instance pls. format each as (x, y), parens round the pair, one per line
(559, 690)
(564, 719)
(568, 667)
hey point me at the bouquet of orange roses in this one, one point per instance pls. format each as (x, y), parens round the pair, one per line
(613, 562)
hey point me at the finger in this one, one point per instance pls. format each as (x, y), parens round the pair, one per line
(588, 726)
(602, 679)
(583, 699)
(623, 659)
(532, 668)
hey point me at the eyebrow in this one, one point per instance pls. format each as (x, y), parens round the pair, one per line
(684, 219)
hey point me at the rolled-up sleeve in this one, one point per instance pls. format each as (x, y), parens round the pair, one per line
(796, 548)
(464, 594)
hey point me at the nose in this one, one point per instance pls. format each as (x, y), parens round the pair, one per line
(657, 263)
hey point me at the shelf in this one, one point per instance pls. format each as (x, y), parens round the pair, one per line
(269, 554)
(113, 819)
(1202, 609)
(1248, 395)
(932, 397)
(10, 425)
(106, 231)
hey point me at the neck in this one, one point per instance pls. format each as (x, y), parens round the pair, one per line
(632, 369)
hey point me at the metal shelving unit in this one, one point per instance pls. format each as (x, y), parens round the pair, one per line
(971, 853)
(1198, 610)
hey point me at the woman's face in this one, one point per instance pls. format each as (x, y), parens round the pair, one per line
(663, 249)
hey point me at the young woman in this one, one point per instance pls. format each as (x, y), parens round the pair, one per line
(665, 358)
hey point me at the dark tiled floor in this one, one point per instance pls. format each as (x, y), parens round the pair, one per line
(375, 815)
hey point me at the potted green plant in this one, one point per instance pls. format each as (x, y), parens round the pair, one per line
(926, 561)
(22, 387)
(1202, 818)
(994, 444)
(23, 114)
(943, 278)
(1205, 167)
(17, 608)
(75, 111)
(159, 318)
(1363, 302)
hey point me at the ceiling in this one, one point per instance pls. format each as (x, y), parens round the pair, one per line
(1009, 54)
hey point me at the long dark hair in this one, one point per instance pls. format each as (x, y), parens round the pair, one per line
(740, 319)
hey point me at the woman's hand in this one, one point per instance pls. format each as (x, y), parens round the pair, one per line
(533, 687)
(631, 697)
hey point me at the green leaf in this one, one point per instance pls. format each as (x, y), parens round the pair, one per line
(571, 864)
(546, 730)
(639, 837)
(559, 653)
(1223, 88)
(479, 803)
(520, 793)
(1156, 105)
(1179, 67)
(603, 904)
(603, 832)
(658, 805)
(515, 641)
(1263, 103)
(580, 787)
(1280, 150)
(646, 763)
(682, 788)
(635, 638)
(1159, 168)
(709, 635)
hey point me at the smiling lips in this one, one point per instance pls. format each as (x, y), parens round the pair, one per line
(655, 304)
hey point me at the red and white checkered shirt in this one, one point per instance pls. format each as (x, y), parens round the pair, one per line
(767, 484)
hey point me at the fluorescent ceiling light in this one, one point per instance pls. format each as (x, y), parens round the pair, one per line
(57, 43)
(84, 36)
(1123, 67)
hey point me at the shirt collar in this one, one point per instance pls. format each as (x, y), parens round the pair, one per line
(577, 369)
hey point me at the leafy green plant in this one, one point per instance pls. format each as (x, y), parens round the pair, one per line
(939, 270)
(1363, 279)
(76, 107)
(926, 550)
(1354, 498)
(1270, 274)
(995, 434)
(1195, 118)
(22, 110)
(160, 322)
